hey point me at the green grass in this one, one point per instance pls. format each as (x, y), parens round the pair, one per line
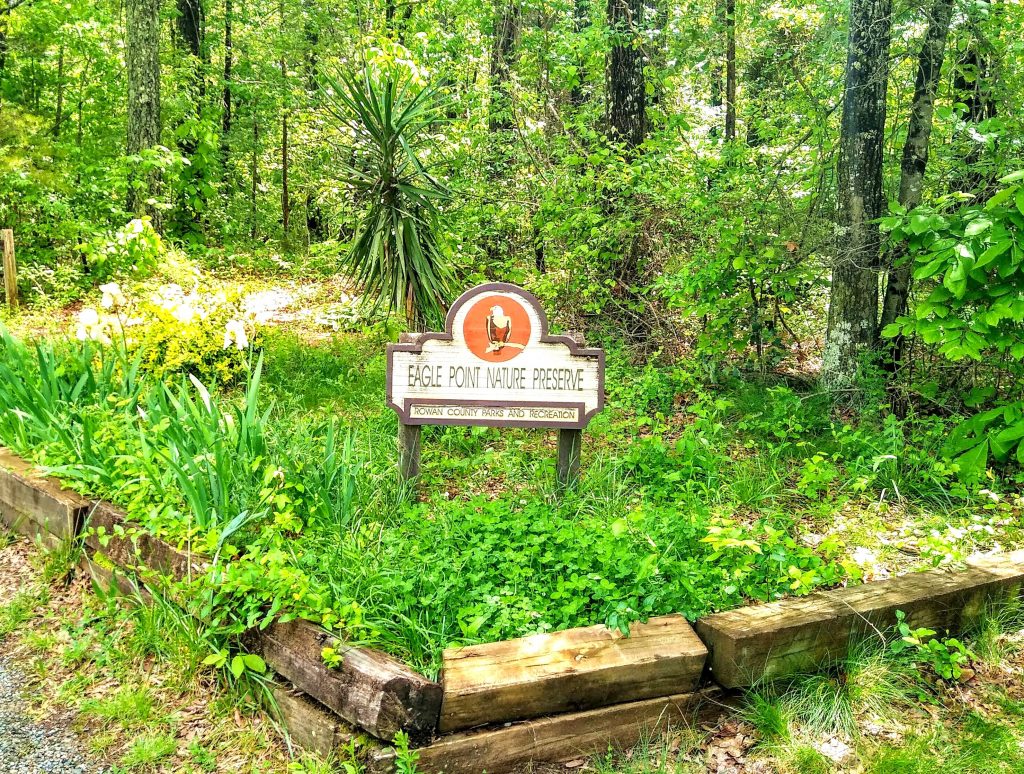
(684, 505)
(129, 708)
(149, 749)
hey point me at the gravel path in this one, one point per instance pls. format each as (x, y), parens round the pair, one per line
(30, 747)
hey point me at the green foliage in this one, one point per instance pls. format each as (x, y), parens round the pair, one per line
(405, 758)
(397, 255)
(947, 656)
(970, 259)
(135, 249)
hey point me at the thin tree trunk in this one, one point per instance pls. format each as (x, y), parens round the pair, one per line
(285, 200)
(503, 48)
(915, 160)
(581, 20)
(853, 304)
(730, 70)
(973, 88)
(190, 24)
(255, 174)
(58, 117)
(143, 65)
(627, 98)
(225, 121)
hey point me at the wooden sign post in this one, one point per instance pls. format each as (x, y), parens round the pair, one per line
(495, 365)
(10, 267)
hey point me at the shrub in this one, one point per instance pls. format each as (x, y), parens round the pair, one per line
(205, 335)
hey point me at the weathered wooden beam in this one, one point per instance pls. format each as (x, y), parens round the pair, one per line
(109, 577)
(409, 444)
(570, 670)
(559, 738)
(309, 724)
(800, 634)
(370, 689)
(132, 547)
(570, 446)
(36, 506)
(10, 266)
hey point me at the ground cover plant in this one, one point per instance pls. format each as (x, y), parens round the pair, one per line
(694, 498)
(794, 227)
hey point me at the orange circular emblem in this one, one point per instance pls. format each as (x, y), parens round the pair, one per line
(497, 328)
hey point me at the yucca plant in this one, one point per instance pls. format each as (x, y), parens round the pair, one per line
(397, 255)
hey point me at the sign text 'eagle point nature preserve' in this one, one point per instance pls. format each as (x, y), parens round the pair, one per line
(495, 365)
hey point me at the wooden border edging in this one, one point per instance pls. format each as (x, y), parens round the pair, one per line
(569, 671)
(559, 738)
(133, 548)
(38, 507)
(370, 688)
(545, 674)
(803, 634)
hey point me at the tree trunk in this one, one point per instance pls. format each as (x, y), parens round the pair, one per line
(972, 87)
(730, 70)
(915, 159)
(627, 98)
(581, 20)
(286, 205)
(190, 24)
(143, 64)
(254, 175)
(58, 117)
(225, 121)
(853, 305)
(503, 51)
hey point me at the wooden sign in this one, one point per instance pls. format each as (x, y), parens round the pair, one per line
(495, 365)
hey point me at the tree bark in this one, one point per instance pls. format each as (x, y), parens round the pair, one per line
(972, 86)
(853, 304)
(627, 97)
(581, 20)
(190, 23)
(915, 159)
(254, 175)
(730, 70)
(58, 116)
(143, 64)
(225, 121)
(503, 50)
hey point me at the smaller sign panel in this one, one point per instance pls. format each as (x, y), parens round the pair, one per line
(495, 365)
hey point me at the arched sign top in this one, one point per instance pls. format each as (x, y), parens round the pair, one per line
(495, 365)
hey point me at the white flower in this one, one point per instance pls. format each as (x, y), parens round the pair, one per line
(184, 313)
(88, 317)
(234, 334)
(113, 298)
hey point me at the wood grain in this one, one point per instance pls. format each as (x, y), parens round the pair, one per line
(559, 738)
(570, 670)
(309, 724)
(764, 642)
(10, 267)
(132, 547)
(37, 506)
(370, 689)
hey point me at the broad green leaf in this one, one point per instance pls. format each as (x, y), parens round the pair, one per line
(255, 663)
(977, 226)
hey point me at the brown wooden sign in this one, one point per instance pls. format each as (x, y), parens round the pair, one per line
(494, 365)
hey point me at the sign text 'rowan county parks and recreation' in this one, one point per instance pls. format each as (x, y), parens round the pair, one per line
(495, 364)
